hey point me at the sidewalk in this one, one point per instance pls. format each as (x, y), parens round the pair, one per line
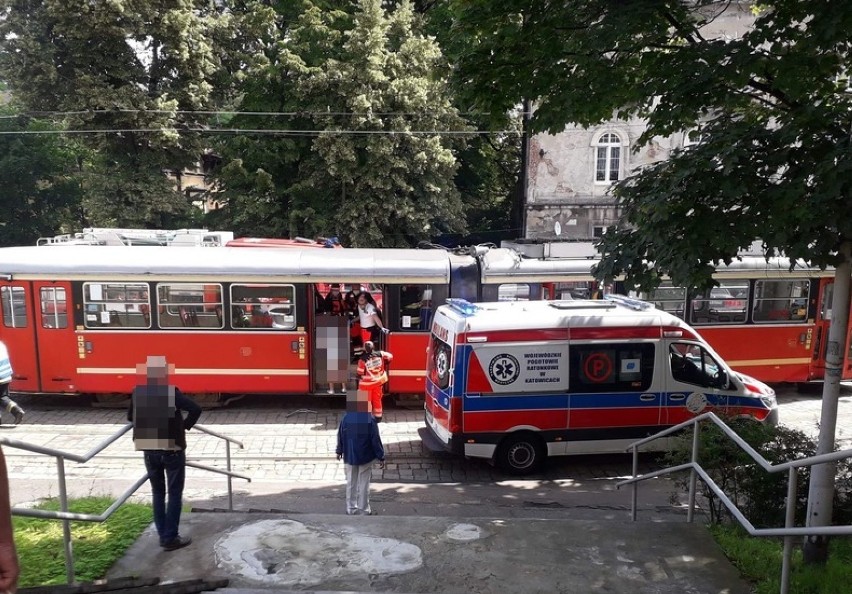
(438, 554)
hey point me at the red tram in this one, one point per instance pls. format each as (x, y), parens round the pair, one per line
(78, 319)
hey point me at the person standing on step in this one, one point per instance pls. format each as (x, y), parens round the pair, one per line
(159, 430)
(359, 445)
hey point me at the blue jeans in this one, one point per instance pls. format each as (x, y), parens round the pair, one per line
(167, 473)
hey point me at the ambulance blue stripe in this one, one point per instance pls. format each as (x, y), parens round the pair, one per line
(559, 401)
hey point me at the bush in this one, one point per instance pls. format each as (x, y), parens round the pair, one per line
(760, 495)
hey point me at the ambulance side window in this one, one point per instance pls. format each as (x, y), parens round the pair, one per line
(691, 364)
(612, 367)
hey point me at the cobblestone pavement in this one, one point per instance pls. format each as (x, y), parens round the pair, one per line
(293, 441)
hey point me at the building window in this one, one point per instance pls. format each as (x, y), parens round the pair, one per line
(607, 158)
(691, 137)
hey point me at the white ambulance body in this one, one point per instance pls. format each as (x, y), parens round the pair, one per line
(519, 381)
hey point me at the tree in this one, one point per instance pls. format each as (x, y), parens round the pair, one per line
(40, 191)
(775, 116)
(129, 78)
(365, 158)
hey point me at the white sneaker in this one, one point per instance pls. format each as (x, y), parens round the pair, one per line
(330, 391)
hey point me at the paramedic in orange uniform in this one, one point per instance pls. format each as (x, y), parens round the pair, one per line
(374, 376)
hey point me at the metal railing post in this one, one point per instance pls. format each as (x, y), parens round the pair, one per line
(230, 481)
(66, 524)
(789, 521)
(633, 502)
(696, 432)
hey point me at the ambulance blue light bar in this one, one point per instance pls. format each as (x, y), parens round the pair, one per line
(463, 306)
(631, 302)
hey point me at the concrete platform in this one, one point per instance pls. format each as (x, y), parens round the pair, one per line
(321, 552)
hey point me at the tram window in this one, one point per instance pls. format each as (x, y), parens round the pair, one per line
(669, 298)
(611, 368)
(513, 292)
(190, 305)
(725, 304)
(116, 305)
(14, 307)
(780, 300)
(416, 306)
(259, 307)
(54, 307)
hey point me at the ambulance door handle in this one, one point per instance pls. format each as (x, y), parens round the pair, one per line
(647, 397)
(677, 397)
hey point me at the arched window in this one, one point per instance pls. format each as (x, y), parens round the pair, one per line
(691, 137)
(607, 158)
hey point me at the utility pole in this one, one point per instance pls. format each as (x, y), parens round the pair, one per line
(821, 488)
(519, 206)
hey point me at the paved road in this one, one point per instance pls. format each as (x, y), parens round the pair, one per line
(289, 447)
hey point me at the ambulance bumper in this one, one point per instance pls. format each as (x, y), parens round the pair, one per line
(434, 444)
(773, 418)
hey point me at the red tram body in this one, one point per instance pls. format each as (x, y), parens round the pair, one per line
(79, 319)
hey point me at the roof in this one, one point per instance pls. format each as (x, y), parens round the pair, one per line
(516, 315)
(279, 264)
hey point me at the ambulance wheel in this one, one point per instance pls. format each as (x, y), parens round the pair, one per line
(520, 453)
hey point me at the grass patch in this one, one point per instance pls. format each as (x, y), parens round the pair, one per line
(96, 545)
(759, 561)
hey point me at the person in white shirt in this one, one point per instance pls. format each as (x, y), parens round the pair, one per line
(371, 323)
(6, 403)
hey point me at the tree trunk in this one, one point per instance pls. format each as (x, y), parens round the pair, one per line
(821, 489)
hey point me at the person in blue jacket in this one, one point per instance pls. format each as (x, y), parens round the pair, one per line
(6, 403)
(359, 446)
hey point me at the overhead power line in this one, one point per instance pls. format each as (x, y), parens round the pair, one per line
(267, 132)
(246, 113)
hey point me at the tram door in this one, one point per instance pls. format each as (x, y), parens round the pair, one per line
(58, 350)
(18, 333)
(821, 329)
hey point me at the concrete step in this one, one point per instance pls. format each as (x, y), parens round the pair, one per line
(321, 552)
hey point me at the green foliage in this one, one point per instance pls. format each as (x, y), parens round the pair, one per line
(772, 107)
(759, 495)
(372, 85)
(37, 173)
(96, 545)
(132, 75)
(759, 562)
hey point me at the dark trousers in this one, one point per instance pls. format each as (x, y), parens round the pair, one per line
(5, 401)
(167, 474)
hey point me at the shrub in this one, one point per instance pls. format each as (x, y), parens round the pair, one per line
(761, 496)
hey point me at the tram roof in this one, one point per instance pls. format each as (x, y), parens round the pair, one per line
(507, 266)
(224, 264)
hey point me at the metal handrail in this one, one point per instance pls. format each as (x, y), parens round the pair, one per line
(66, 517)
(696, 471)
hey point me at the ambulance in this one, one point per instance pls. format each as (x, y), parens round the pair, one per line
(516, 382)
